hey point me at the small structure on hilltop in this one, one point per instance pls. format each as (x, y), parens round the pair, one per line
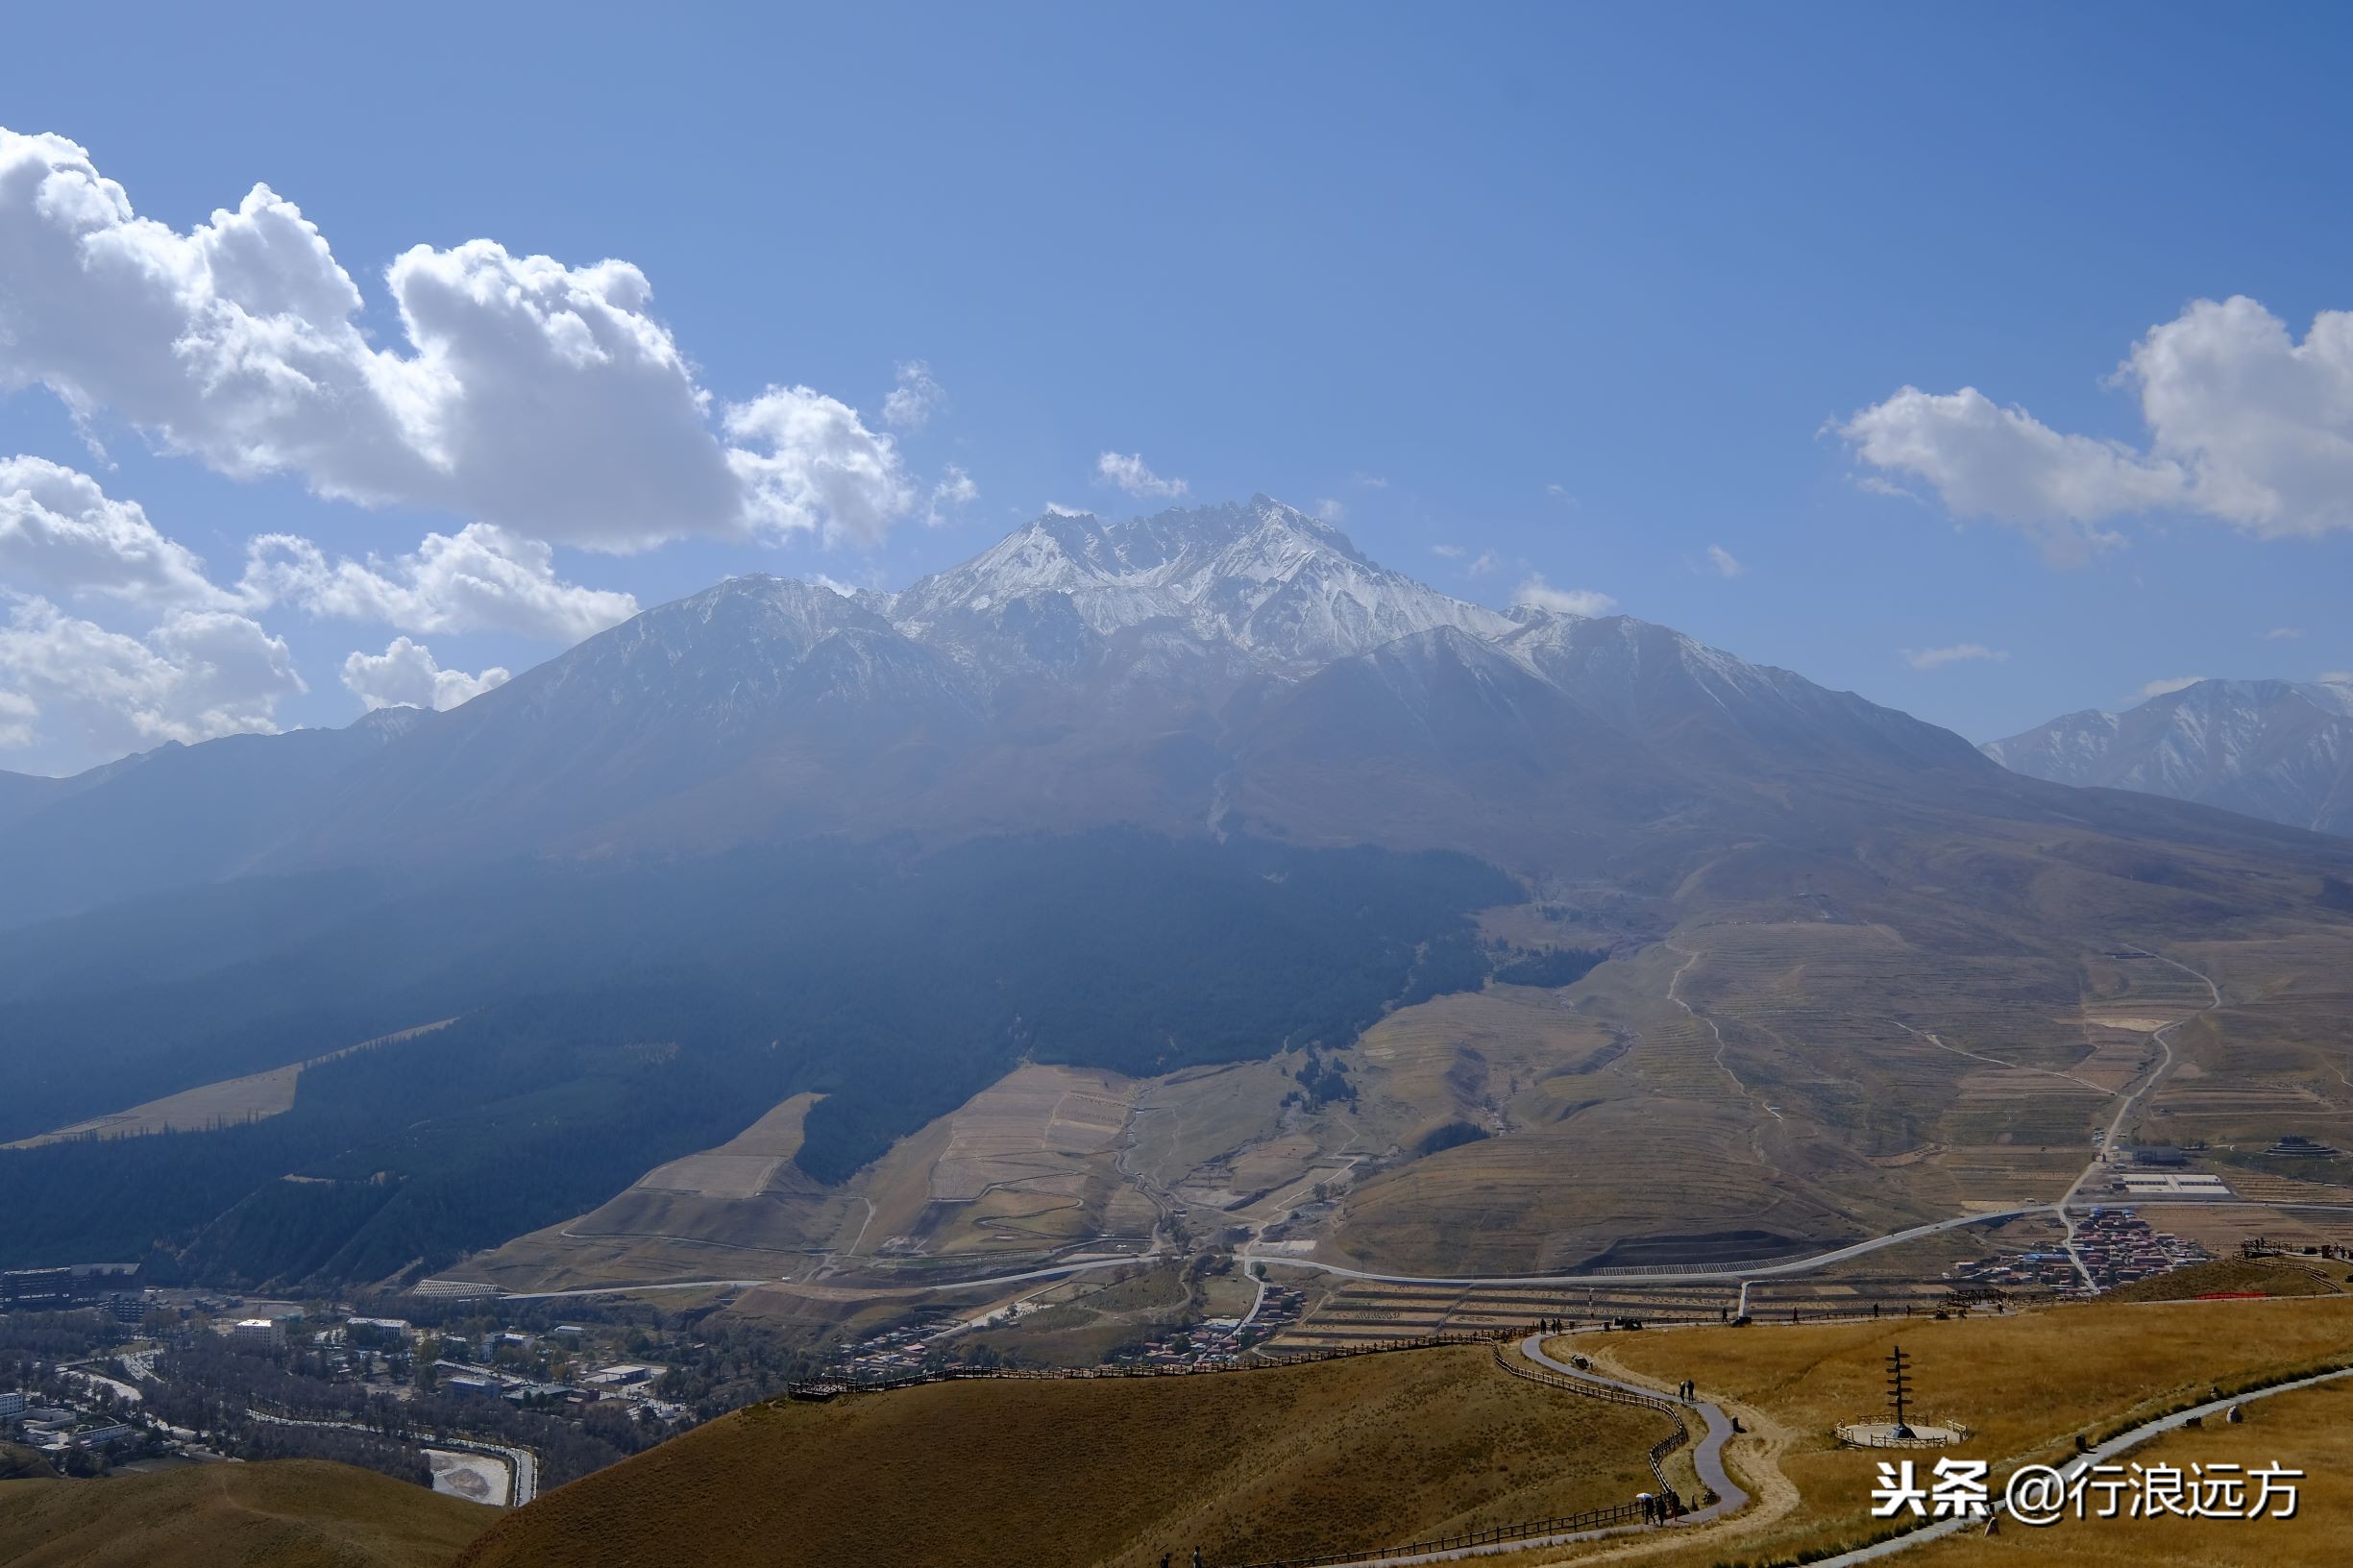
(1903, 1432)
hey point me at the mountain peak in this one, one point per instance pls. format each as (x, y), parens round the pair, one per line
(1290, 590)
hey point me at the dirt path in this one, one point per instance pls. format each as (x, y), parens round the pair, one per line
(2130, 1104)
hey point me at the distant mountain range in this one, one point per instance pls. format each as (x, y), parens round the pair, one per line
(2278, 749)
(1225, 669)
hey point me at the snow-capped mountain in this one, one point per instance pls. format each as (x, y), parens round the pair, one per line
(1286, 591)
(1230, 668)
(2278, 749)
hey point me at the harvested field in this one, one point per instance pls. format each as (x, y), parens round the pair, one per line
(225, 1103)
(742, 1210)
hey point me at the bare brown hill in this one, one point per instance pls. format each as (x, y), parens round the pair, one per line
(285, 1513)
(1247, 1465)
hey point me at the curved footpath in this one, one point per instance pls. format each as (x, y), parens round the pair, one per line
(2121, 1443)
(1708, 1457)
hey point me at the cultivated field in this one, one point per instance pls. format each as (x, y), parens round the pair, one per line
(741, 1210)
(1023, 1169)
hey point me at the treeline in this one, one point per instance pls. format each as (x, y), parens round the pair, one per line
(211, 1388)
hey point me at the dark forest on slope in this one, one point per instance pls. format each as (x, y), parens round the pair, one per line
(647, 1010)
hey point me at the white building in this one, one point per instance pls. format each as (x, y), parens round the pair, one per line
(260, 1331)
(12, 1404)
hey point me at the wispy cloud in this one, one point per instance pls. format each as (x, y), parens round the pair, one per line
(954, 492)
(1453, 552)
(1332, 511)
(1131, 474)
(1936, 658)
(1723, 562)
(913, 401)
(2282, 634)
(1488, 561)
(1561, 494)
(1536, 593)
(2161, 687)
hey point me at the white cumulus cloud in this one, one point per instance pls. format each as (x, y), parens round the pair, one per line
(1536, 593)
(1130, 473)
(1936, 658)
(60, 533)
(544, 398)
(2003, 463)
(481, 579)
(405, 675)
(198, 674)
(2245, 423)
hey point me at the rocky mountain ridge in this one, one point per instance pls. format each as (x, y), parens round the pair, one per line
(2278, 749)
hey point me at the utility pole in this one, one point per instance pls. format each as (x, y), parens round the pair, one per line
(1899, 1388)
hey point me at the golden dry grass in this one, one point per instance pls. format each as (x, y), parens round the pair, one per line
(1363, 1452)
(2025, 1384)
(2311, 1430)
(284, 1513)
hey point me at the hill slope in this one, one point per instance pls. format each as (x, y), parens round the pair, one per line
(1249, 1465)
(284, 1513)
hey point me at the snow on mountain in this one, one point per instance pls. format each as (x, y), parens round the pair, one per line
(2278, 749)
(1287, 591)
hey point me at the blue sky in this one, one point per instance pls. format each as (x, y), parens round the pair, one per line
(1584, 292)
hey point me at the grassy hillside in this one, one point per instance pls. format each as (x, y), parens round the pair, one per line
(2025, 1384)
(287, 1513)
(2311, 1430)
(1253, 1466)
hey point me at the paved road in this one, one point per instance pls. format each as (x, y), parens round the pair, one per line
(521, 1464)
(1668, 1276)
(2122, 1443)
(1708, 1457)
(1046, 1273)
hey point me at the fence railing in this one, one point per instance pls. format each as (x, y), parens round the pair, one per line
(1526, 1531)
(1522, 1367)
(1570, 1523)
